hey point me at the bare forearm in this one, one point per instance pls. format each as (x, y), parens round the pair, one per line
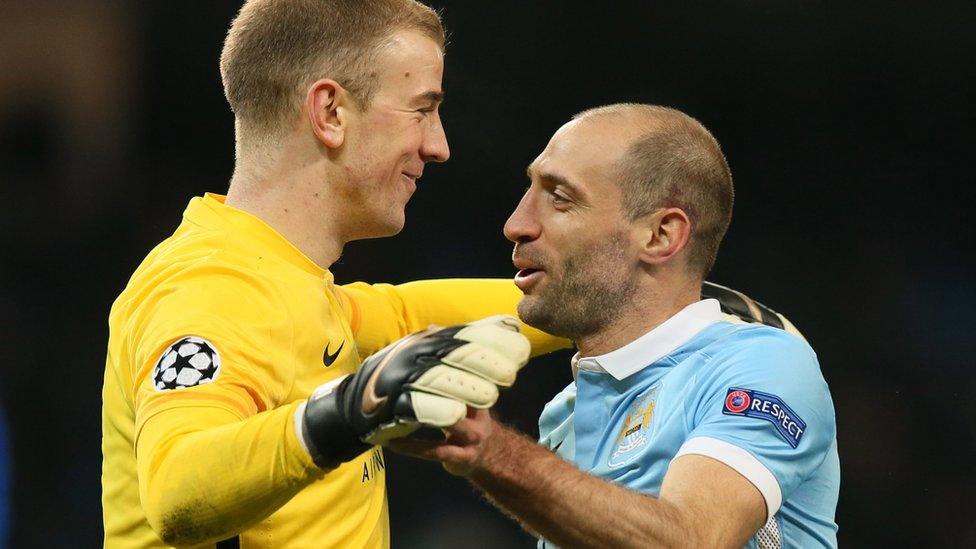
(703, 502)
(567, 506)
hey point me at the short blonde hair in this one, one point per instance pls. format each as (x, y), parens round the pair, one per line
(276, 49)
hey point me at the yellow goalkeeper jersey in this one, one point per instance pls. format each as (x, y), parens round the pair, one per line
(222, 331)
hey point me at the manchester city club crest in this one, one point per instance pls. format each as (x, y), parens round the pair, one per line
(635, 428)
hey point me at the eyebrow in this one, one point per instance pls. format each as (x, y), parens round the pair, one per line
(553, 177)
(431, 96)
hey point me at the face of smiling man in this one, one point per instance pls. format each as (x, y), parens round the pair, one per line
(398, 133)
(575, 249)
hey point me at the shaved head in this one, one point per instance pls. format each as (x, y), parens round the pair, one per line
(671, 161)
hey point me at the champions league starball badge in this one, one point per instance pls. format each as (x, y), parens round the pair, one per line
(189, 362)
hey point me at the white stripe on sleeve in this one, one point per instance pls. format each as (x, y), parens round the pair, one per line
(742, 461)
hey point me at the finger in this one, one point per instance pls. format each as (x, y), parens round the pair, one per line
(501, 334)
(457, 384)
(485, 361)
(462, 434)
(437, 411)
(397, 428)
(423, 449)
(429, 450)
(507, 322)
(427, 410)
(789, 327)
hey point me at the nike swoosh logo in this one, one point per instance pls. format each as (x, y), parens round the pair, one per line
(556, 449)
(329, 359)
(372, 401)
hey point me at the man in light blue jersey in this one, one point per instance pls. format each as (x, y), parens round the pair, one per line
(681, 429)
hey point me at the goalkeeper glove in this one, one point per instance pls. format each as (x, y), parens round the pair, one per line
(739, 308)
(428, 378)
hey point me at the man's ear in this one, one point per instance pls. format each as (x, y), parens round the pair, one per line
(663, 234)
(328, 104)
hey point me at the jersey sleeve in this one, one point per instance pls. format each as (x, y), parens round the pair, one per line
(765, 410)
(382, 313)
(205, 475)
(215, 444)
(216, 340)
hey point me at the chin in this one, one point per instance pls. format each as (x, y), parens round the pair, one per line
(379, 230)
(532, 312)
(395, 220)
(386, 232)
(396, 225)
(389, 224)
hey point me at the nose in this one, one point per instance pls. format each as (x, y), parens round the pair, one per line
(434, 147)
(522, 225)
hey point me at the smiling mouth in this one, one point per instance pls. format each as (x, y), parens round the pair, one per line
(409, 182)
(526, 278)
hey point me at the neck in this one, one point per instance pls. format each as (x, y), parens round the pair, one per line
(290, 193)
(646, 312)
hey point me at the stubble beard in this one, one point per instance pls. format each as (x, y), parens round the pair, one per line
(594, 286)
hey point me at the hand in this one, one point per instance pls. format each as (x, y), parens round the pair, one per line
(425, 379)
(740, 308)
(469, 444)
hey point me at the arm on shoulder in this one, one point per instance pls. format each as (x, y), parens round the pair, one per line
(382, 313)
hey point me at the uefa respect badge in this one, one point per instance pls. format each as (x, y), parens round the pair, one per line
(749, 403)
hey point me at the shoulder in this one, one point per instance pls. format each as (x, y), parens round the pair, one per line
(765, 359)
(219, 286)
(203, 294)
(204, 267)
(757, 380)
(769, 362)
(759, 347)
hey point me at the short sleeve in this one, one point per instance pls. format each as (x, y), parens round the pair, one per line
(765, 410)
(212, 340)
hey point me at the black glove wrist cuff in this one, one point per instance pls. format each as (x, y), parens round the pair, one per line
(329, 438)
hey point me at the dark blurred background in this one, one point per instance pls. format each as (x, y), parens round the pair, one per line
(848, 127)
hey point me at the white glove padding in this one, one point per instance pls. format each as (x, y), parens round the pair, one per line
(450, 369)
(425, 379)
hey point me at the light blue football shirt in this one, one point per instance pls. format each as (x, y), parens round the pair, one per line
(748, 395)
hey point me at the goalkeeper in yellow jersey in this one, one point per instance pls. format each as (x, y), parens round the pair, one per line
(237, 409)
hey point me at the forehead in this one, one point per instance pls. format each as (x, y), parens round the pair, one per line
(586, 151)
(410, 62)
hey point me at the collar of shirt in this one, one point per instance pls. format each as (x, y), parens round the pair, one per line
(654, 345)
(211, 212)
